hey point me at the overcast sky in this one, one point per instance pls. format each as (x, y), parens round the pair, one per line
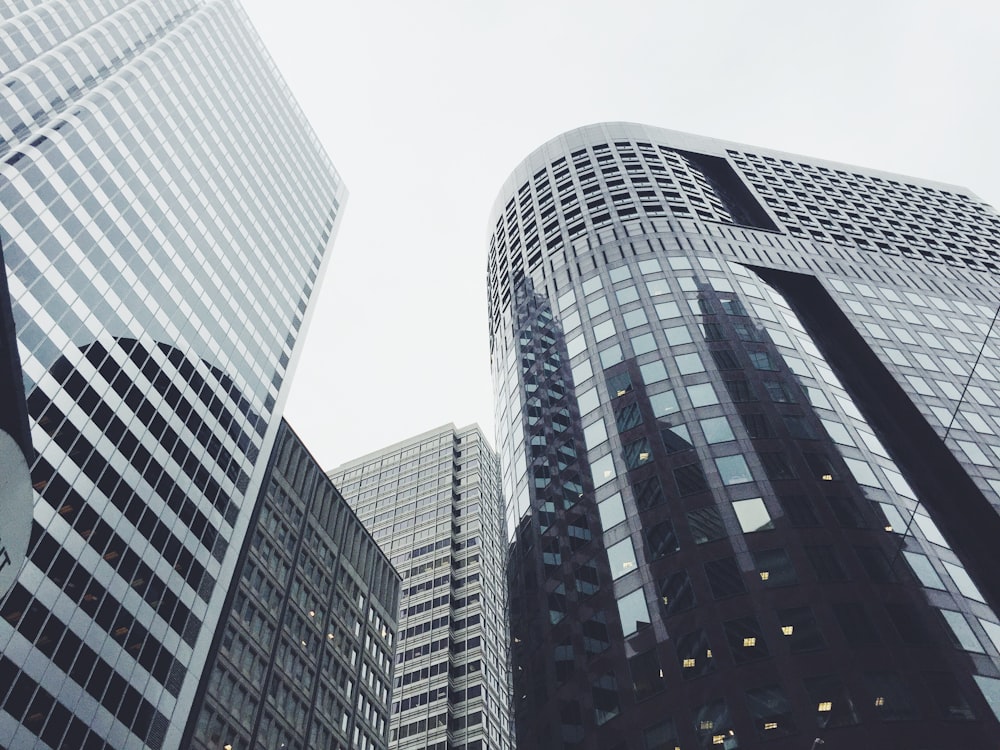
(426, 107)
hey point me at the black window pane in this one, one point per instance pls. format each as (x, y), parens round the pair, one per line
(776, 466)
(628, 417)
(799, 630)
(800, 510)
(647, 674)
(757, 425)
(695, 654)
(619, 385)
(770, 711)
(890, 696)
(690, 479)
(662, 540)
(775, 567)
(746, 641)
(648, 493)
(831, 702)
(948, 696)
(676, 593)
(705, 525)
(724, 577)
(826, 564)
(856, 624)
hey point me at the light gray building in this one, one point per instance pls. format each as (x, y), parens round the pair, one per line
(433, 504)
(749, 431)
(166, 214)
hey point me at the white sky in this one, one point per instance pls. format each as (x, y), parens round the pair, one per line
(426, 108)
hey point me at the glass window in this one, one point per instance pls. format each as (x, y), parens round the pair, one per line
(963, 581)
(582, 372)
(688, 364)
(605, 692)
(832, 703)
(647, 493)
(826, 564)
(930, 530)
(690, 479)
(733, 470)
(647, 674)
(725, 578)
(604, 330)
(771, 712)
(612, 511)
(702, 394)
(746, 641)
(627, 417)
(621, 558)
(962, 634)
(677, 335)
(597, 307)
(619, 384)
(716, 430)
(800, 630)
(652, 265)
(588, 401)
(603, 470)
(633, 612)
(571, 321)
(923, 569)
(676, 593)
(667, 310)
(575, 345)
(890, 696)
(643, 344)
(695, 654)
(611, 356)
(779, 392)
(634, 318)
(620, 274)
(661, 736)
(637, 453)
(705, 524)
(627, 294)
(595, 434)
(776, 466)
(664, 403)
(676, 439)
(725, 359)
(774, 567)
(657, 287)
(763, 361)
(948, 696)
(567, 299)
(653, 372)
(713, 726)
(661, 540)
(592, 285)
(990, 688)
(595, 634)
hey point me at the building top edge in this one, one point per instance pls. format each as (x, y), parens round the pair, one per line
(409, 441)
(571, 140)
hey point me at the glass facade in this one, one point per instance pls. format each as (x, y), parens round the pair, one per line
(304, 656)
(166, 215)
(729, 386)
(433, 503)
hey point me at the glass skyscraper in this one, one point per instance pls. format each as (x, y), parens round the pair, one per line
(433, 503)
(748, 426)
(305, 655)
(166, 211)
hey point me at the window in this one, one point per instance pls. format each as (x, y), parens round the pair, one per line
(826, 564)
(771, 712)
(677, 335)
(746, 641)
(647, 674)
(717, 430)
(857, 626)
(799, 630)
(605, 692)
(799, 510)
(702, 394)
(689, 364)
(647, 493)
(962, 635)
(603, 470)
(831, 702)
(661, 540)
(713, 725)
(653, 372)
(611, 356)
(774, 567)
(676, 593)
(619, 384)
(705, 525)
(664, 404)
(695, 654)
(637, 453)
(890, 696)
(633, 612)
(733, 469)
(724, 577)
(676, 439)
(612, 511)
(752, 514)
(690, 479)
(621, 558)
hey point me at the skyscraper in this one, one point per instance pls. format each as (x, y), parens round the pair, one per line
(166, 215)
(747, 422)
(433, 503)
(305, 652)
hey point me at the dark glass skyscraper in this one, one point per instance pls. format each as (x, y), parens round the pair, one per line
(305, 654)
(748, 427)
(166, 211)
(433, 503)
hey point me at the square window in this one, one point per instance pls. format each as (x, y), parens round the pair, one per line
(771, 712)
(611, 356)
(705, 525)
(831, 702)
(620, 274)
(588, 401)
(592, 285)
(733, 470)
(627, 294)
(661, 540)
(664, 404)
(594, 434)
(690, 479)
(826, 564)
(856, 624)
(717, 430)
(597, 307)
(634, 318)
(603, 470)
(667, 310)
(746, 640)
(637, 453)
(725, 578)
(702, 394)
(647, 493)
(678, 335)
(647, 674)
(689, 364)
(634, 612)
(612, 511)
(799, 630)
(621, 558)
(694, 654)
(643, 344)
(775, 567)
(889, 695)
(653, 372)
(627, 417)
(676, 438)
(676, 593)
(619, 384)
(604, 330)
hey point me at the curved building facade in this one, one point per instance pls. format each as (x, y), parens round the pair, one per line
(747, 416)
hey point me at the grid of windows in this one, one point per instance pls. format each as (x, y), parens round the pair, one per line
(162, 233)
(719, 381)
